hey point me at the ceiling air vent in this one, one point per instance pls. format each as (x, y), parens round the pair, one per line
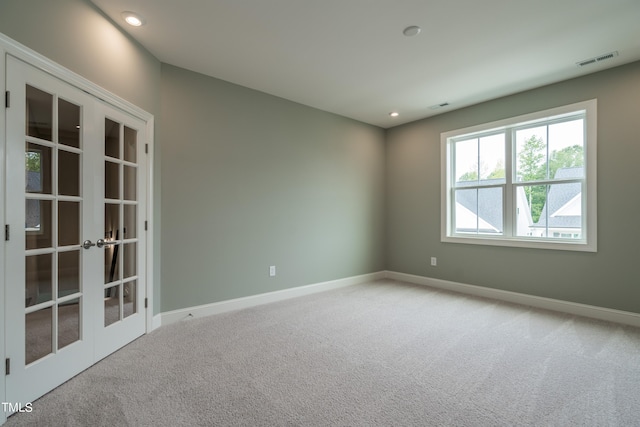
(598, 59)
(435, 107)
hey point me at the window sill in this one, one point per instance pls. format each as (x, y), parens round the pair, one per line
(561, 245)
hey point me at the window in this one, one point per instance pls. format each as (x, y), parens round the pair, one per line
(528, 181)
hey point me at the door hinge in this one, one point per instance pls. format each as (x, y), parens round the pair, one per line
(7, 366)
(7, 99)
(146, 148)
(146, 225)
(146, 302)
(7, 233)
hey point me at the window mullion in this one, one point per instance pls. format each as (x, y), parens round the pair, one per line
(509, 209)
(451, 186)
(478, 172)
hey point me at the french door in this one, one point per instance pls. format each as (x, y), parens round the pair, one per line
(76, 205)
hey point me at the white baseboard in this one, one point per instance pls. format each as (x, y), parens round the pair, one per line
(173, 316)
(601, 313)
(156, 322)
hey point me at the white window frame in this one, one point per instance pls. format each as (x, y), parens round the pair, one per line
(587, 243)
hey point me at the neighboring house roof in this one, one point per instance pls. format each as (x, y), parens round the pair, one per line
(489, 208)
(564, 202)
(573, 207)
(468, 221)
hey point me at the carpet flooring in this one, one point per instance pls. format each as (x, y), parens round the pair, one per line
(382, 353)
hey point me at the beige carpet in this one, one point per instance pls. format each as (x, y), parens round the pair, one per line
(382, 353)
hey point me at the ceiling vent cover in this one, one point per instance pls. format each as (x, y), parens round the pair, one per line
(598, 59)
(435, 107)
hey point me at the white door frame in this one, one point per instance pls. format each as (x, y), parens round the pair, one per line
(13, 48)
(3, 127)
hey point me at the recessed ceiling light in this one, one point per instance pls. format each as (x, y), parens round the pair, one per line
(411, 31)
(133, 19)
(394, 114)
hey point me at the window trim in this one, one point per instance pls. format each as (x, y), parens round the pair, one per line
(589, 195)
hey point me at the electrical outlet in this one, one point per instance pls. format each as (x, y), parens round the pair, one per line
(434, 261)
(272, 271)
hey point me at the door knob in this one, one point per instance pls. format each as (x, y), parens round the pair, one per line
(88, 243)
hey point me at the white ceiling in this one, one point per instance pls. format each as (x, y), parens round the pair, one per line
(350, 57)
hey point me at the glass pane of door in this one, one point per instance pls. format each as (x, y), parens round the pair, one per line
(68, 223)
(53, 198)
(68, 322)
(38, 166)
(68, 124)
(38, 224)
(39, 113)
(120, 226)
(38, 279)
(38, 334)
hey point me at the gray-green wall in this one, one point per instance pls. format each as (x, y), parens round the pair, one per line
(609, 278)
(75, 34)
(78, 36)
(244, 180)
(251, 180)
